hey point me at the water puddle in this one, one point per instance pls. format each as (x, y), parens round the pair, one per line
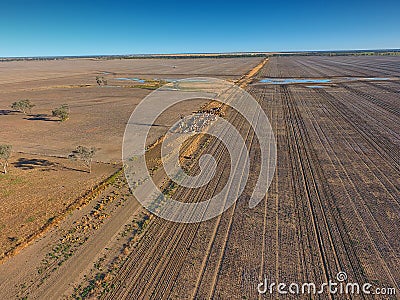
(292, 80)
(320, 81)
(131, 79)
(315, 86)
(375, 78)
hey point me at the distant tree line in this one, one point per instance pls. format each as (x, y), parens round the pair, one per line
(209, 55)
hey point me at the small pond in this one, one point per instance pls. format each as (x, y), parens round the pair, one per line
(375, 78)
(292, 80)
(131, 79)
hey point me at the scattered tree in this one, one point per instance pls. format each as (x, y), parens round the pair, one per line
(23, 106)
(61, 112)
(101, 81)
(5, 152)
(85, 155)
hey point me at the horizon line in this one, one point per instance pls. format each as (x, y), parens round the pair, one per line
(204, 53)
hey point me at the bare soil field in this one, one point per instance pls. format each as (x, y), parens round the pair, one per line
(98, 117)
(333, 205)
(68, 71)
(98, 114)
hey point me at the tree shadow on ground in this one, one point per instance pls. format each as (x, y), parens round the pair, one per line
(6, 112)
(40, 117)
(42, 165)
(29, 164)
(151, 125)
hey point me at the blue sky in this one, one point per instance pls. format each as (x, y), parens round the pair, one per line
(46, 28)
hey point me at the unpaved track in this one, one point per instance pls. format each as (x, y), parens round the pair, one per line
(60, 281)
